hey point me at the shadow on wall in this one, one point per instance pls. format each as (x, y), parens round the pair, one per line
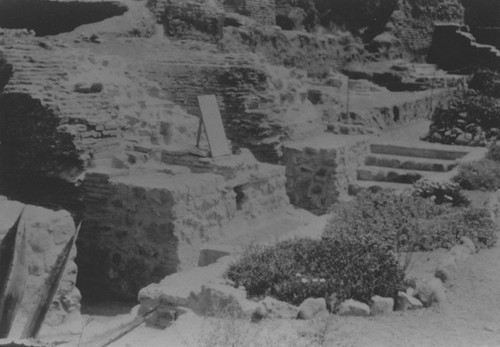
(34, 154)
(52, 18)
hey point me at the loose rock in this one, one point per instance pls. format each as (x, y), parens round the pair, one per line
(446, 268)
(431, 291)
(380, 305)
(311, 308)
(354, 308)
(467, 242)
(408, 302)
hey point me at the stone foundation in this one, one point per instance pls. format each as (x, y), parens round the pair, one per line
(319, 170)
(143, 225)
(47, 234)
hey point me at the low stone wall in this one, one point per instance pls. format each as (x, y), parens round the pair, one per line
(141, 226)
(47, 234)
(320, 169)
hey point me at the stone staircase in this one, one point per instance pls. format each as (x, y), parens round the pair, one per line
(397, 165)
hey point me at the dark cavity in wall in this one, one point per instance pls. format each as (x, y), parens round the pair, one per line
(53, 17)
(35, 156)
(241, 197)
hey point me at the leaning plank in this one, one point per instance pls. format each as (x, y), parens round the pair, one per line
(214, 127)
(49, 289)
(13, 274)
(115, 334)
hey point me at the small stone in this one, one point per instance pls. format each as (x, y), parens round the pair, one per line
(446, 268)
(431, 291)
(408, 302)
(311, 307)
(461, 253)
(275, 309)
(380, 305)
(467, 242)
(354, 308)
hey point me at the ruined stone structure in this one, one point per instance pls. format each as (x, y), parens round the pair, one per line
(455, 48)
(143, 225)
(262, 11)
(47, 234)
(192, 19)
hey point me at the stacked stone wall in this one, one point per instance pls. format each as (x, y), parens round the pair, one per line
(318, 172)
(317, 54)
(262, 11)
(141, 227)
(47, 234)
(193, 19)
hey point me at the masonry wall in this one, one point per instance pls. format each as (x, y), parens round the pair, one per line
(141, 227)
(314, 53)
(262, 11)
(454, 48)
(47, 234)
(192, 19)
(319, 171)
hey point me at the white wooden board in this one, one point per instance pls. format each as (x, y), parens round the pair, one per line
(214, 127)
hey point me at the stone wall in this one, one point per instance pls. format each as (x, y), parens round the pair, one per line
(143, 225)
(413, 22)
(193, 19)
(454, 48)
(319, 170)
(262, 11)
(313, 52)
(47, 234)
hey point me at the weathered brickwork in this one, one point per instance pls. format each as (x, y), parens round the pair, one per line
(455, 48)
(191, 19)
(262, 11)
(314, 53)
(47, 234)
(413, 22)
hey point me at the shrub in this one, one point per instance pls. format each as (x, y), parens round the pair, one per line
(403, 223)
(482, 174)
(387, 217)
(486, 82)
(441, 192)
(295, 270)
(445, 230)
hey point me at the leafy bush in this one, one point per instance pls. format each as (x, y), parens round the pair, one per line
(482, 174)
(470, 117)
(440, 192)
(295, 270)
(486, 82)
(385, 216)
(403, 223)
(446, 229)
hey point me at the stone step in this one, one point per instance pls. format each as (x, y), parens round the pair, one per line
(379, 174)
(409, 163)
(428, 151)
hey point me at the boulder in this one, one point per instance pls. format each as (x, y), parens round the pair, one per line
(311, 308)
(408, 302)
(464, 139)
(380, 305)
(354, 308)
(431, 291)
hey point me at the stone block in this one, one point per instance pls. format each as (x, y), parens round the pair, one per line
(354, 308)
(380, 305)
(311, 308)
(408, 302)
